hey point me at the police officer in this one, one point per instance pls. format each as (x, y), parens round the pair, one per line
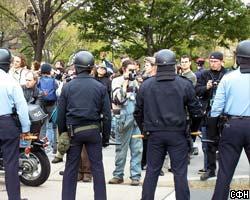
(206, 89)
(81, 104)
(232, 98)
(11, 96)
(160, 111)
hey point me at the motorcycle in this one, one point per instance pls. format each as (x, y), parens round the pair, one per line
(34, 165)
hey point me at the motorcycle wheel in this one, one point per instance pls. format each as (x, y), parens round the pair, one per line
(36, 168)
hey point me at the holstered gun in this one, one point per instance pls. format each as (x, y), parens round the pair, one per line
(15, 117)
(223, 119)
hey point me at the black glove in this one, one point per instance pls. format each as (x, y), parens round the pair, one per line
(196, 123)
(105, 142)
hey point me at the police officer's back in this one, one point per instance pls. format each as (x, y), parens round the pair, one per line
(161, 112)
(81, 104)
(11, 96)
(232, 99)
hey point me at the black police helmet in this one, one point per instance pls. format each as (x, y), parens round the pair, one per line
(165, 57)
(5, 59)
(84, 59)
(243, 49)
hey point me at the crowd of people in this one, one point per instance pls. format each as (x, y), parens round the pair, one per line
(151, 110)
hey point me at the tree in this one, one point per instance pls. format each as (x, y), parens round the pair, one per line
(64, 42)
(149, 25)
(41, 18)
(8, 30)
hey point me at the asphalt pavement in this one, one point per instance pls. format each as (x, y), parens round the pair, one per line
(51, 189)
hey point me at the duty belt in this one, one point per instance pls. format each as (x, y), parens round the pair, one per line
(5, 116)
(84, 128)
(238, 117)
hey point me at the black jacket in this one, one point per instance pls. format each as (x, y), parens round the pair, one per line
(201, 87)
(161, 105)
(82, 102)
(107, 82)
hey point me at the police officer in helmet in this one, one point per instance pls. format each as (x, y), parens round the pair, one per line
(232, 98)
(82, 102)
(11, 96)
(160, 112)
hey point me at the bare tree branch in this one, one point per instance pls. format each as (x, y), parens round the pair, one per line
(51, 28)
(10, 14)
(36, 9)
(41, 7)
(55, 11)
(61, 49)
(16, 19)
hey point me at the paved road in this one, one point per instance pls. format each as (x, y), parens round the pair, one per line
(51, 190)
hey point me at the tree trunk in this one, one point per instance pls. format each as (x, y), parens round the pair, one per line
(39, 44)
(149, 41)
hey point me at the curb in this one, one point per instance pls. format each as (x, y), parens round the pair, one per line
(238, 182)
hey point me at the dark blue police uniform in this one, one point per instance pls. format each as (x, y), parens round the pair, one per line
(160, 111)
(81, 104)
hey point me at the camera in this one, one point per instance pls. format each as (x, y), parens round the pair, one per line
(215, 84)
(68, 77)
(132, 75)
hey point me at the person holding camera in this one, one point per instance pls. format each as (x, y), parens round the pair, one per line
(124, 89)
(206, 89)
(12, 124)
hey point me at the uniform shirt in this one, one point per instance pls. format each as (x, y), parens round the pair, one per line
(82, 102)
(233, 95)
(161, 105)
(11, 94)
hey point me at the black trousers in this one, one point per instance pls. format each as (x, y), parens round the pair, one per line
(235, 137)
(212, 148)
(144, 153)
(93, 143)
(10, 150)
(175, 143)
(9, 144)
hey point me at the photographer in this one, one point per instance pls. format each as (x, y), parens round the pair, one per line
(205, 89)
(124, 89)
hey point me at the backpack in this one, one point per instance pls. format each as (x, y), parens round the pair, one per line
(48, 85)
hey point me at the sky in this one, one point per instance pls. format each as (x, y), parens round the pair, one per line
(246, 1)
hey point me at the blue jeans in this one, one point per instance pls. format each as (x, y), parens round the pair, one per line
(135, 146)
(48, 129)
